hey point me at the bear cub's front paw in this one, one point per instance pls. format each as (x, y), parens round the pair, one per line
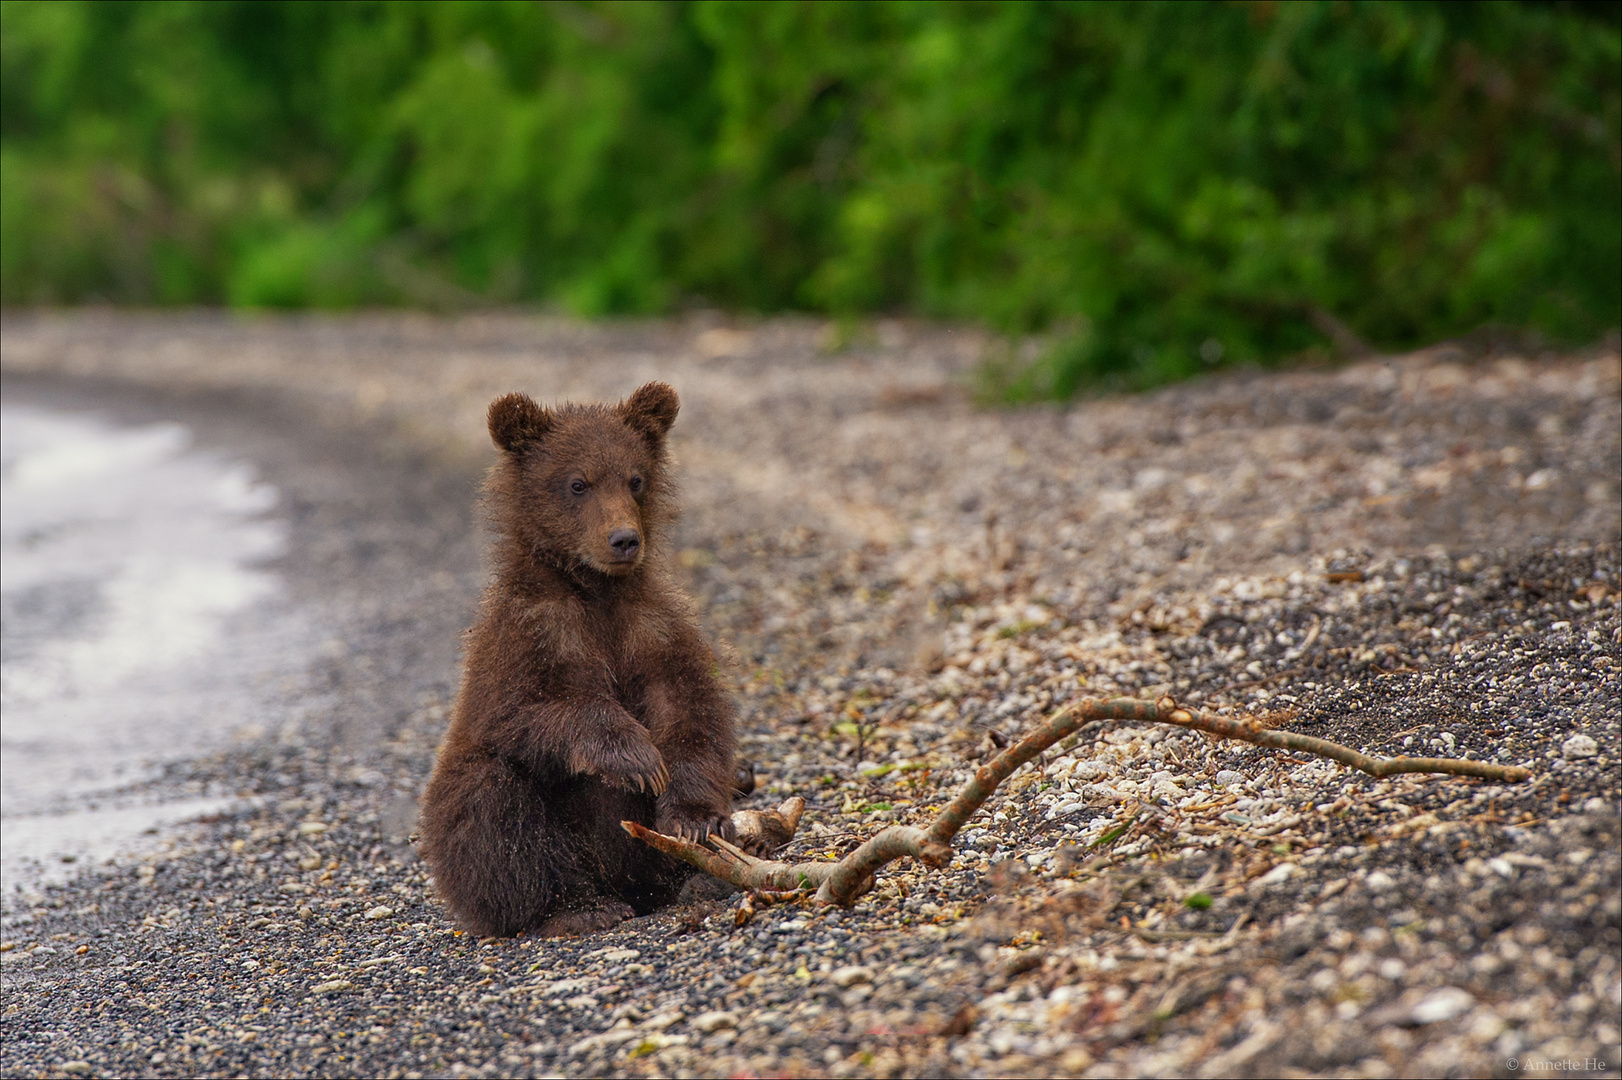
(632, 765)
(692, 822)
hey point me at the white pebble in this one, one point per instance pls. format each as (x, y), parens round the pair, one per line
(1579, 746)
(1283, 872)
(613, 955)
(850, 976)
(379, 912)
(714, 1021)
(1443, 1004)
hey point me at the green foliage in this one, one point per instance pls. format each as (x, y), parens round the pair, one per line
(1154, 188)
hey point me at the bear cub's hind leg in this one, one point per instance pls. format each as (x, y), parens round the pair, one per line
(601, 913)
(501, 861)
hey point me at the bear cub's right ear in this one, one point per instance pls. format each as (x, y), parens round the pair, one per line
(515, 420)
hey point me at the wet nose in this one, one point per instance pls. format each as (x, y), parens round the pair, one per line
(624, 542)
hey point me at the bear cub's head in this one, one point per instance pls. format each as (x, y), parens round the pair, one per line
(583, 485)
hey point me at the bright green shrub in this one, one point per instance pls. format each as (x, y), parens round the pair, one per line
(1156, 187)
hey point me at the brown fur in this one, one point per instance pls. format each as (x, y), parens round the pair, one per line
(589, 695)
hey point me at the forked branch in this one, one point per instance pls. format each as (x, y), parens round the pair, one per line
(844, 881)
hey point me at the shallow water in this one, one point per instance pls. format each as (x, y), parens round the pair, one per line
(138, 625)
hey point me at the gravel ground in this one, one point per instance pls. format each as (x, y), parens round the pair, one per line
(1418, 554)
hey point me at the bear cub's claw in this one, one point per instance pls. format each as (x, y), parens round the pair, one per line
(634, 768)
(691, 823)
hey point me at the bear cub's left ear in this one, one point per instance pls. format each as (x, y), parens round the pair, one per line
(651, 410)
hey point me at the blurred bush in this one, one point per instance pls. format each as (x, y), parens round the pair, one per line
(1154, 188)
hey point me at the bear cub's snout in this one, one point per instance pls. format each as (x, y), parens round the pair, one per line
(626, 545)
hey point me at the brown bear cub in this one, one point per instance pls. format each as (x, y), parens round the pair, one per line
(589, 695)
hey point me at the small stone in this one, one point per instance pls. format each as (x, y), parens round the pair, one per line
(1380, 881)
(1283, 872)
(614, 956)
(1228, 776)
(1076, 1060)
(1443, 1004)
(606, 1040)
(714, 1021)
(849, 976)
(379, 912)
(332, 986)
(312, 828)
(78, 1068)
(1579, 746)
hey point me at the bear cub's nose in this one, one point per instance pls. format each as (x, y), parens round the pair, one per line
(624, 542)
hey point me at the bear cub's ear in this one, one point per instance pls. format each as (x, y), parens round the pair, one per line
(651, 410)
(515, 420)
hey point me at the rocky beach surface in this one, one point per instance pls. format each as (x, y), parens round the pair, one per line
(1407, 555)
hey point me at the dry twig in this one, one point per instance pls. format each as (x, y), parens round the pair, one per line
(844, 881)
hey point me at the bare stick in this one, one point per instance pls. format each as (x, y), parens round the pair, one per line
(1252, 731)
(733, 864)
(844, 881)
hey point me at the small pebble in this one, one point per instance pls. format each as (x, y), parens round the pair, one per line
(332, 986)
(1579, 746)
(850, 976)
(1443, 1004)
(714, 1021)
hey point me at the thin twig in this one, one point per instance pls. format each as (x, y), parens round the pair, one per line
(844, 881)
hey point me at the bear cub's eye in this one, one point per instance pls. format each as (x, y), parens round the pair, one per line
(578, 486)
(636, 485)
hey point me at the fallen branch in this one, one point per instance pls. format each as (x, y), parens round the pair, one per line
(844, 881)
